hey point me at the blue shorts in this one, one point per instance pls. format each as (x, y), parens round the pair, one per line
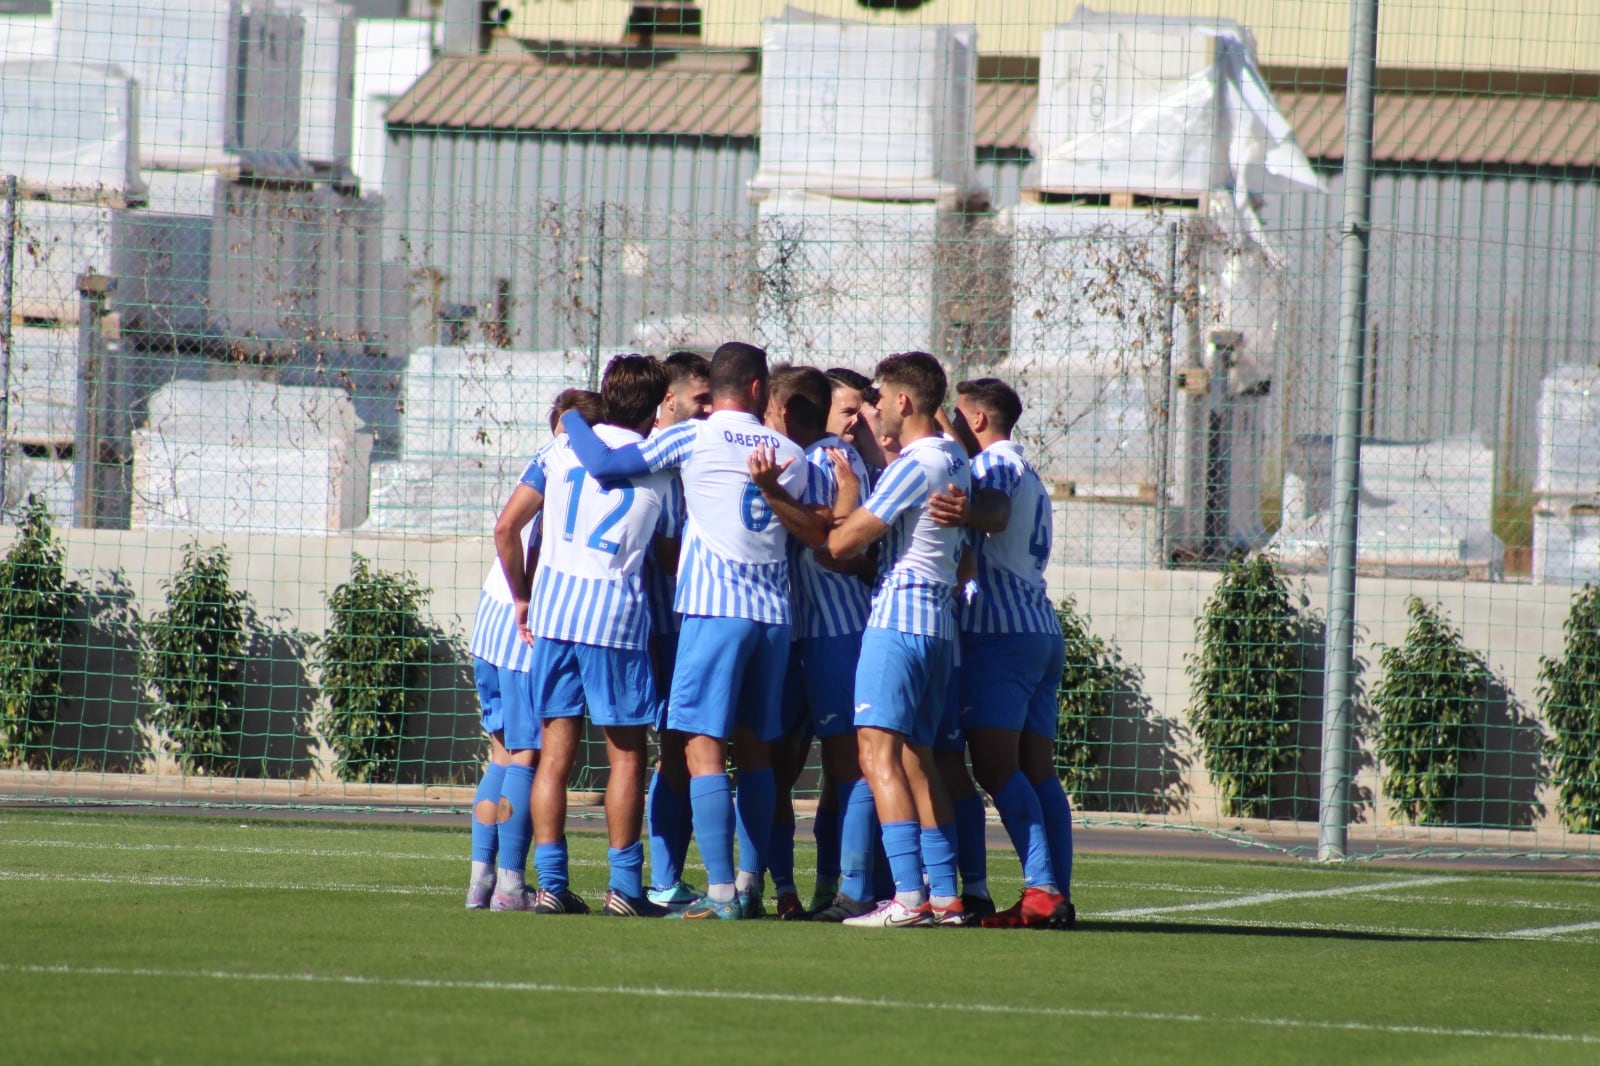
(828, 671)
(901, 682)
(951, 737)
(505, 699)
(613, 683)
(666, 656)
(729, 673)
(795, 711)
(486, 676)
(1012, 681)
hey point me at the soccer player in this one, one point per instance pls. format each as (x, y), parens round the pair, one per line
(853, 414)
(831, 602)
(1008, 709)
(733, 594)
(688, 397)
(592, 649)
(906, 650)
(502, 661)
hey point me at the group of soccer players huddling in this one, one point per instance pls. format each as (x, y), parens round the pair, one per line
(745, 559)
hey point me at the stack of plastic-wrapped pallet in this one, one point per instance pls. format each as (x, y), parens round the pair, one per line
(865, 185)
(1566, 511)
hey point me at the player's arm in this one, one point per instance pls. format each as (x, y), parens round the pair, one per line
(808, 523)
(524, 505)
(609, 465)
(901, 488)
(956, 428)
(987, 512)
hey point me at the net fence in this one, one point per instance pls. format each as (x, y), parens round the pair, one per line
(290, 286)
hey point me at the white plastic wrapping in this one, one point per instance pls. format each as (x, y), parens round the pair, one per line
(216, 77)
(70, 131)
(847, 282)
(327, 82)
(1569, 432)
(24, 37)
(391, 54)
(43, 385)
(1162, 106)
(1566, 543)
(869, 111)
(486, 405)
(242, 456)
(55, 244)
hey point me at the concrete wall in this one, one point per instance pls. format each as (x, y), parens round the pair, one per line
(1149, 614)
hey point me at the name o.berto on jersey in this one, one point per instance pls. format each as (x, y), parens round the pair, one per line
(750, 440)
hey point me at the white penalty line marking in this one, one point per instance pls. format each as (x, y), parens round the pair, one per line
(1286, 895)
(1546, 931)
(788, 999)
(151, 881)
(231, 849)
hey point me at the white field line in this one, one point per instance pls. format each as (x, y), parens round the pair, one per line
(1256, 899)
(791, 999)
(157, 881)
(1396, 931)
(1486, 901)
(1545, 932)
(233, 849)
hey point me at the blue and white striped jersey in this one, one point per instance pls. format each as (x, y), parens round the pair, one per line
(494, 628)
(734, 562)
(1012, 595)
(589, 588)
(827, 604)
(917, 559)
(661, 585)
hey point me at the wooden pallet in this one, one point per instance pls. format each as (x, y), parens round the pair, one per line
(1068, 492)
(1120, 198)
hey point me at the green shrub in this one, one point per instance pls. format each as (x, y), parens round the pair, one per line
(1431, 691)
(373, 661)
(1245, 681)
(1569, 696)
(36, 606)
(193, 662)
(1089, 682)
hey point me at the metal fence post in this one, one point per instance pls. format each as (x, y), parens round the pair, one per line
(1355, 244)
(8, 262)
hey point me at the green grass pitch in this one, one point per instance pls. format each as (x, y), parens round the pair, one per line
(157, 938)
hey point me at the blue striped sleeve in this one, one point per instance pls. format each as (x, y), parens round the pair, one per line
(989, 472)
(533, 473)
(603, 462)
(671, 447)
(670, 524)
(819, 484)
(900, 488)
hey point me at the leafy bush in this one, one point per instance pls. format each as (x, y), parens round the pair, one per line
(193, 662)
(1089, 682)
(373, 662)
(1569, 696)
(1431, 691)
(36, 606)
(1246, 683)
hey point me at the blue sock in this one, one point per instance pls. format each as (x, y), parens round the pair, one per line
(939, 856)
(669, 832)
(902, 843)
(516, 832)
(627, 869)
(780, 856)
(972, 849)
(827, 829)
(1024, 821)
(757, 798)
(711, 800)
(551, 862)
(486, 835)
(1058, 830)
(858, 839)
(882, 872)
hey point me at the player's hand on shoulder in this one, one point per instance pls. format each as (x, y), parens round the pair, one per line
(948, 508)
(765, 470)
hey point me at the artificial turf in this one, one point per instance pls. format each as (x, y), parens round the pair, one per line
(185, 939)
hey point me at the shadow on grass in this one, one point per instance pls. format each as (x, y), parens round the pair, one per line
(1119, 925)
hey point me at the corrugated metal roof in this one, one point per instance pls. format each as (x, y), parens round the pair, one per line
(697, 99)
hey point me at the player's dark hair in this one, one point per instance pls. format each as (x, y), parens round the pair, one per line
(633, 387)
(803, 393)
(681, 366)
(994, 398)
(586, 403)
(735, 367)
(844, 377)
(919, 374)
